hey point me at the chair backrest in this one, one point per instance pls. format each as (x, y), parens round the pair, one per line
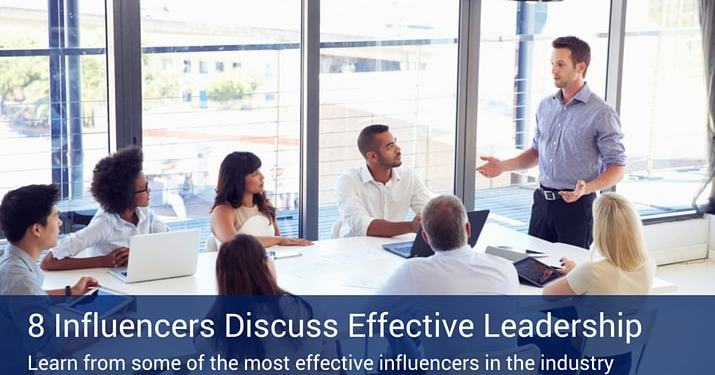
(210, 245)
(525, 352)
(335, 231)
(601, 348)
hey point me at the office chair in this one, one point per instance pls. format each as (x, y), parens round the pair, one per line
(335, 230)
(210, 244)
(629, 355)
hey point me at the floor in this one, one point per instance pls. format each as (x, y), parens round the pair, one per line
(694, 277)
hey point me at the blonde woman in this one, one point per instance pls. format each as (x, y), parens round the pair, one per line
(618, 237)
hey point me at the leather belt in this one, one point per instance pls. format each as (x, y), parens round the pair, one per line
(549, 193)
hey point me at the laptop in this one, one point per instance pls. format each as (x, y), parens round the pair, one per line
(160, 256)
(513, 256)
(420, 248)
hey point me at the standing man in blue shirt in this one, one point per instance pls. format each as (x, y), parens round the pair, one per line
(577, 145)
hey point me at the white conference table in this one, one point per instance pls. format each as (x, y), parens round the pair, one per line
(350, 266)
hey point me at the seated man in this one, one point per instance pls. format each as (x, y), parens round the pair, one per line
(374, 197)
(30, 221)
(455, 268)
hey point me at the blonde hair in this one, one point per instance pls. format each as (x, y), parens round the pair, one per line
(617, 232)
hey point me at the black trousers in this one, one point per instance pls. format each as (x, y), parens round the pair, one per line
(558, 221)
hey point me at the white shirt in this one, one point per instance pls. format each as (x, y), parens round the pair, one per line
(361, 199)
(249, 220)
(604, 278)
(461, 271)
(106, 232)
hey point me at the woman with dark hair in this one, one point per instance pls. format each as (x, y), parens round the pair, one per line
(247, 283)
(122, 191)
(244, 268)
(241, 204)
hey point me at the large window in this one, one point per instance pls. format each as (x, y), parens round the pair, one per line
(225, 76)
(393, 63)
(663, 107)
(514, 76)
(215, 81)
(53, 109)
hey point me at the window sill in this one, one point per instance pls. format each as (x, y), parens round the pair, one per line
(671, 217)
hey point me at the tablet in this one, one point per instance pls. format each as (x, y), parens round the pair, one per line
(288, 253)
(102, 301)
(535, 272)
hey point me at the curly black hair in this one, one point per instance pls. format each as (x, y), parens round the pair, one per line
(113, 179)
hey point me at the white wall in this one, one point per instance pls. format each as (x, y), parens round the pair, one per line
(680, 240)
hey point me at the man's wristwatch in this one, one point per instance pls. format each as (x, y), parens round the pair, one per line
(68, 291)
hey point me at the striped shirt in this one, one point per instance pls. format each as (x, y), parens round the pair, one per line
(577, 140)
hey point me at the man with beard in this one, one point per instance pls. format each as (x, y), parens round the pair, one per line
(373, 198)
(577, 145)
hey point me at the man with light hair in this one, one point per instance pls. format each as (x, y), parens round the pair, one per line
(455, 268)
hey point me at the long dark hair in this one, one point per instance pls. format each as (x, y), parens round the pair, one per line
(242, 271)
(231, 182)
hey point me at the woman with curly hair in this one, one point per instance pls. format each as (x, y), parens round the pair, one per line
(241, 204)
(122, 191)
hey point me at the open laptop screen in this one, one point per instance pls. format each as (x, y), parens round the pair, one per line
(420, 248)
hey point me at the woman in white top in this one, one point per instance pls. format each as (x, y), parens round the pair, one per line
(626, 267)
(241, 204)
(122, 190)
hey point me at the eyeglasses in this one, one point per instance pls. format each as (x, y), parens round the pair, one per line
(146, 188)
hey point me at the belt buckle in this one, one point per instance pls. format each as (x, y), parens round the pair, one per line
(550, 195)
